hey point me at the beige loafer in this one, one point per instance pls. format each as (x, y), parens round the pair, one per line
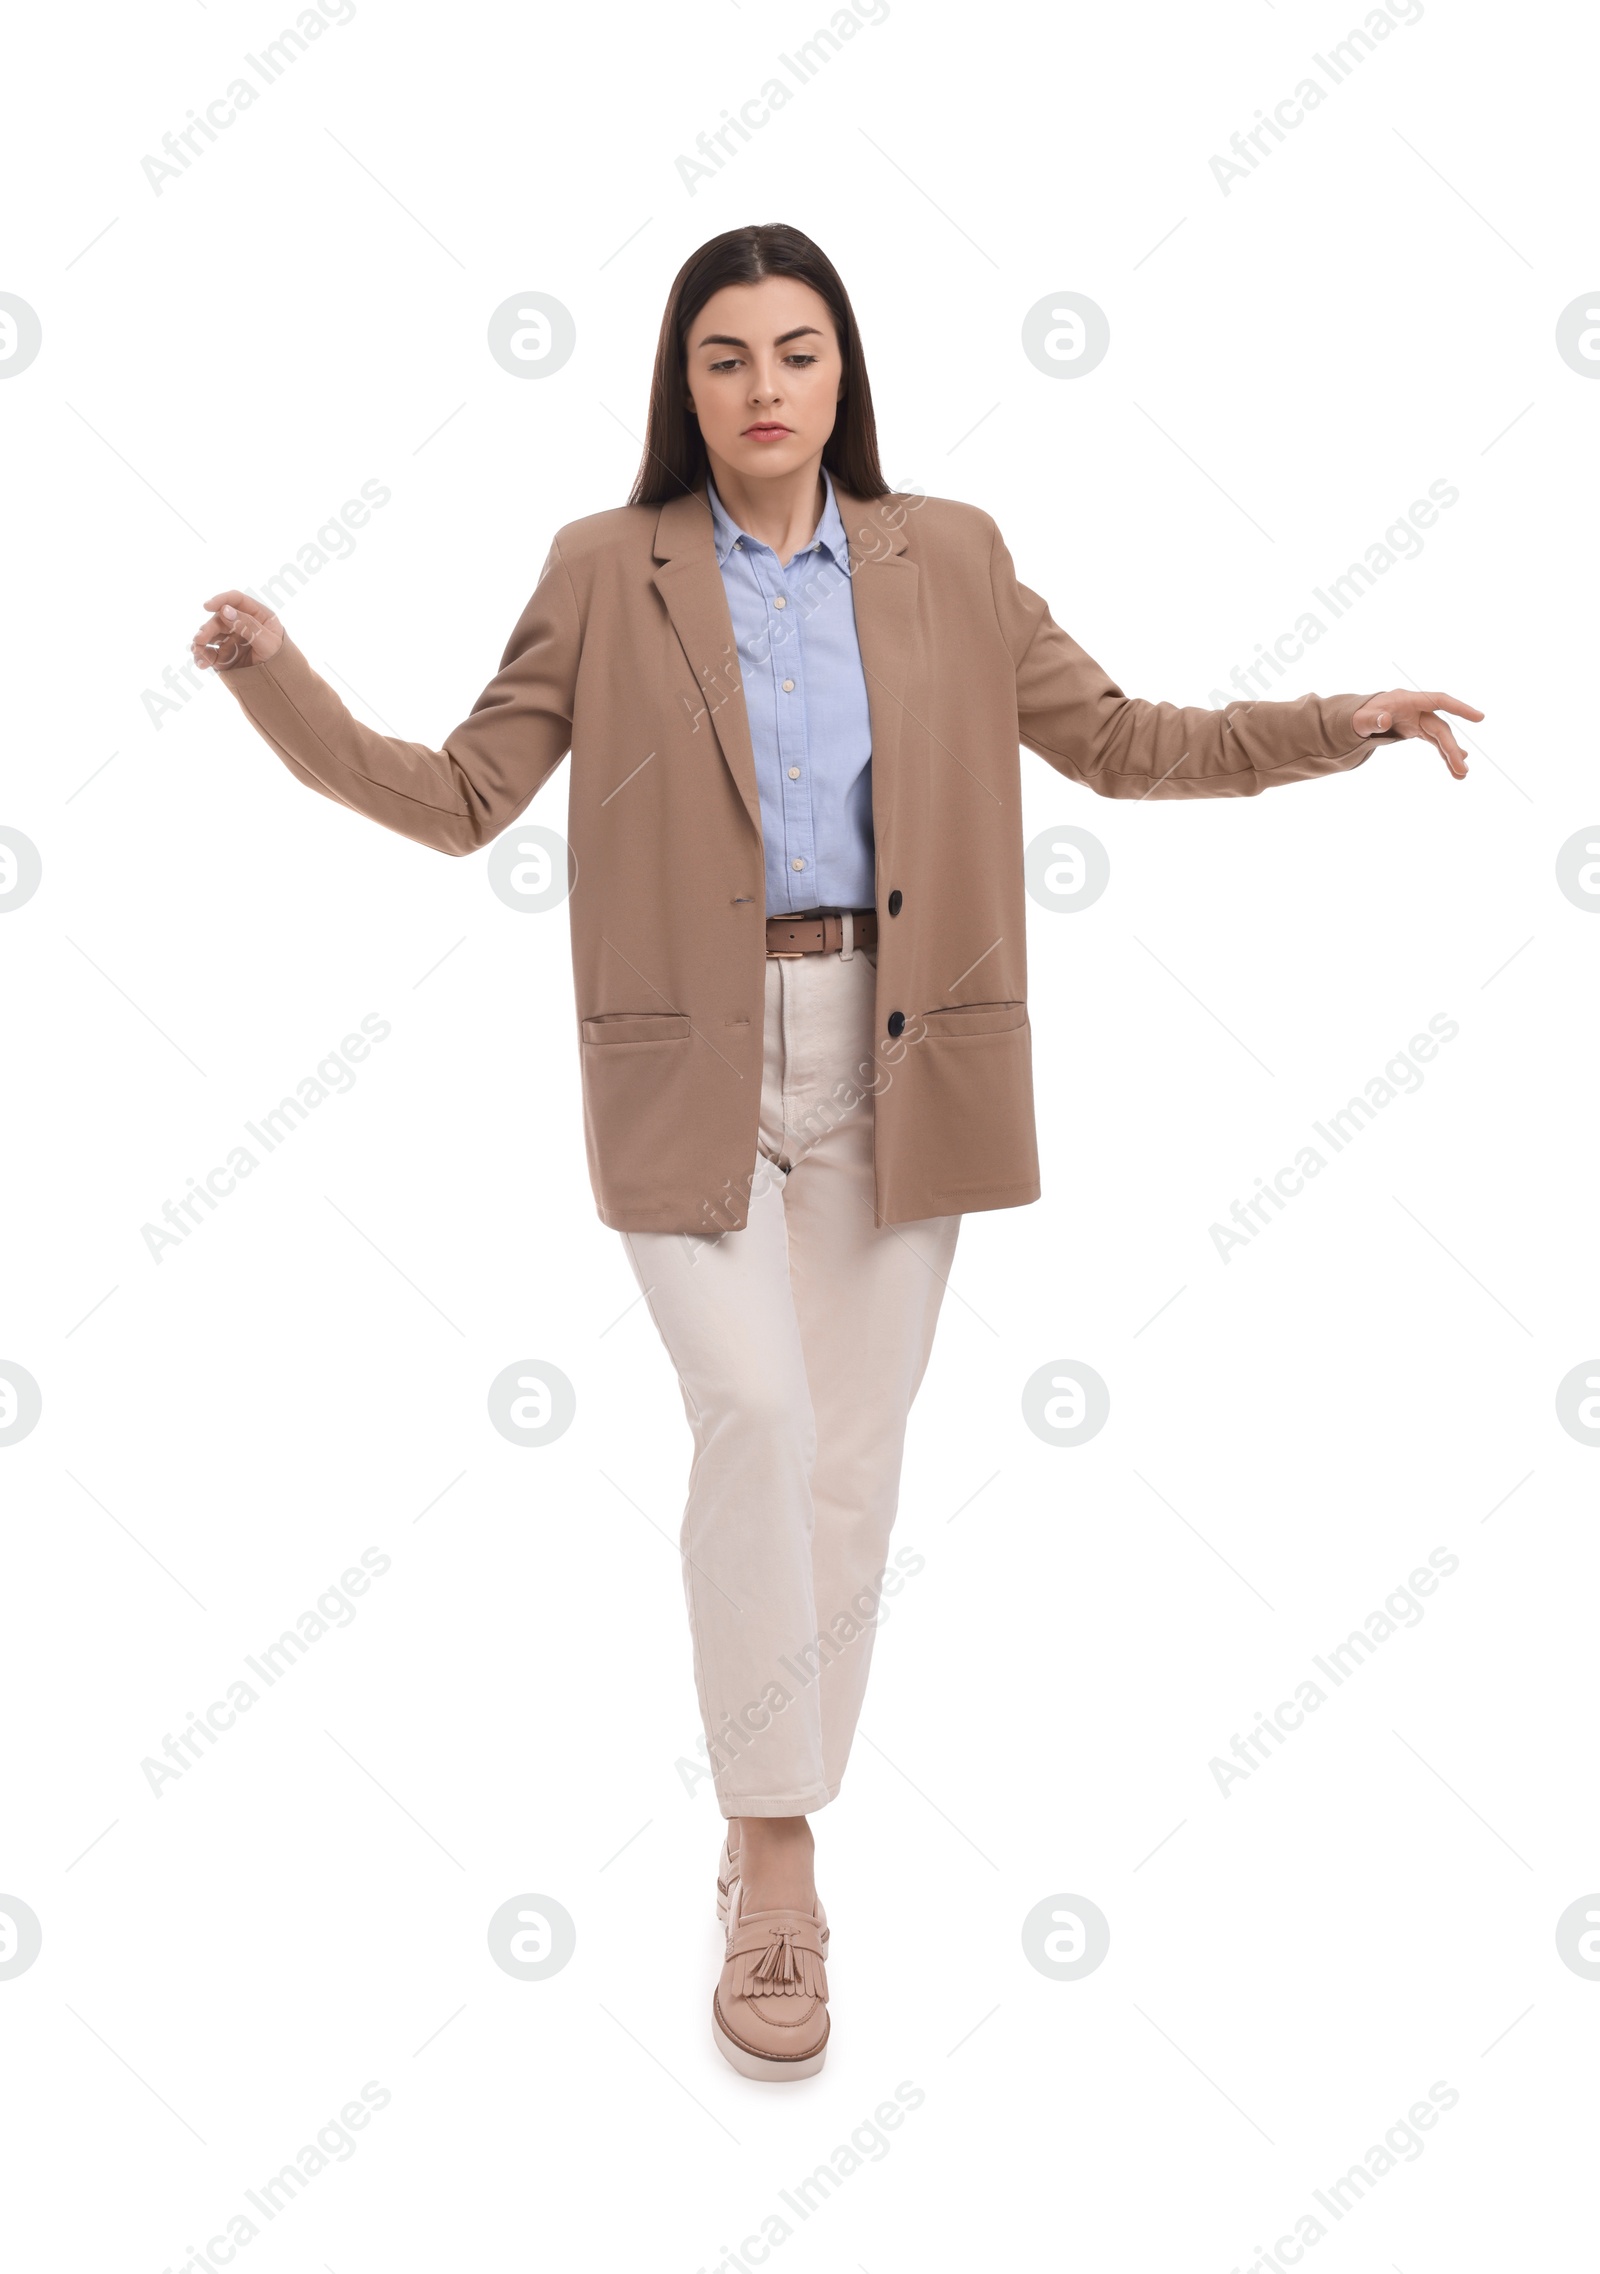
(728, 1872)
(769, 2011)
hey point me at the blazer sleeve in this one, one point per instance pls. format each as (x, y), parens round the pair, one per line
(455, 798)
(1072, 714)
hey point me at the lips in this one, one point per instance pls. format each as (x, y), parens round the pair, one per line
(766, 430)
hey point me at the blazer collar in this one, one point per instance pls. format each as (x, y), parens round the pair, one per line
(873, 527)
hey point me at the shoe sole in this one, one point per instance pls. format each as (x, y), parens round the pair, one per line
(757, 2066)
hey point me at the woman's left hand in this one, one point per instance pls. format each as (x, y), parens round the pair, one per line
(1411, 713)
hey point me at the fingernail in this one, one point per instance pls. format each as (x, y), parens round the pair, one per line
(229, 614)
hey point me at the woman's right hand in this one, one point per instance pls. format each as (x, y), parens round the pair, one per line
(238, 632)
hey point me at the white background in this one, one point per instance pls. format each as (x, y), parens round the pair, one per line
(1291, 1432)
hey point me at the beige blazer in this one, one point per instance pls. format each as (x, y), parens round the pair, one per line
(625, 655)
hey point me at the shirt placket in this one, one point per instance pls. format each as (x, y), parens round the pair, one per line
(794, 768)
(794, 787)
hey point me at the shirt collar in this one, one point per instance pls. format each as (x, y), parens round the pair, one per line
(830, 536)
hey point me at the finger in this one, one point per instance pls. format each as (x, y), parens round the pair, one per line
(1450, 750)
(223, 643)
(254, 609)
(1436, 702)
(238, 616)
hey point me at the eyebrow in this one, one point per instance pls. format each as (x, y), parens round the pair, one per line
(727, 339)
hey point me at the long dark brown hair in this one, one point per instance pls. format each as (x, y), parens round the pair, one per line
(674, 458)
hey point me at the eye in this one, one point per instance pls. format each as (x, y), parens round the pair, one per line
(802, 358)
(727, 363)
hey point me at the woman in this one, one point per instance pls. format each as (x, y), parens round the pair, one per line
(794, 701)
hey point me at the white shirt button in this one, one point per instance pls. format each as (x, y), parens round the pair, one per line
(780, 602)
(788, 686)
(794, 773)
(797, 864)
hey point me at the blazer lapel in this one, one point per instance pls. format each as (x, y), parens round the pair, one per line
(883, 586)
(690, 583)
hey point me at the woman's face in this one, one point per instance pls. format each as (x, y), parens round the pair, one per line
(764, 375)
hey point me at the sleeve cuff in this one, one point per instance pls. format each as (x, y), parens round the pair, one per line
(287, 673)
(1347, 736)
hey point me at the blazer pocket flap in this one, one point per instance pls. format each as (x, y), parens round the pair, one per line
(637, 1026)
(976, 1018)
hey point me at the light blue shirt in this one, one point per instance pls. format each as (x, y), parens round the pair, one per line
(806, 696)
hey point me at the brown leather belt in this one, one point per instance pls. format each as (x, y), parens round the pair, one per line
(819, 935)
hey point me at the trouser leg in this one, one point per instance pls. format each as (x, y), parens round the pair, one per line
(724, 1311)
(867, 1298)
(799, 1342)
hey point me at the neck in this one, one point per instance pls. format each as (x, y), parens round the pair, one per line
(781, 509)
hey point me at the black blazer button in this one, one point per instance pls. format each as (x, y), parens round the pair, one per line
(895, 903)
(897, 1022)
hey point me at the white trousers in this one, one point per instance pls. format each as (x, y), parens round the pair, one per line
(799, 1342)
